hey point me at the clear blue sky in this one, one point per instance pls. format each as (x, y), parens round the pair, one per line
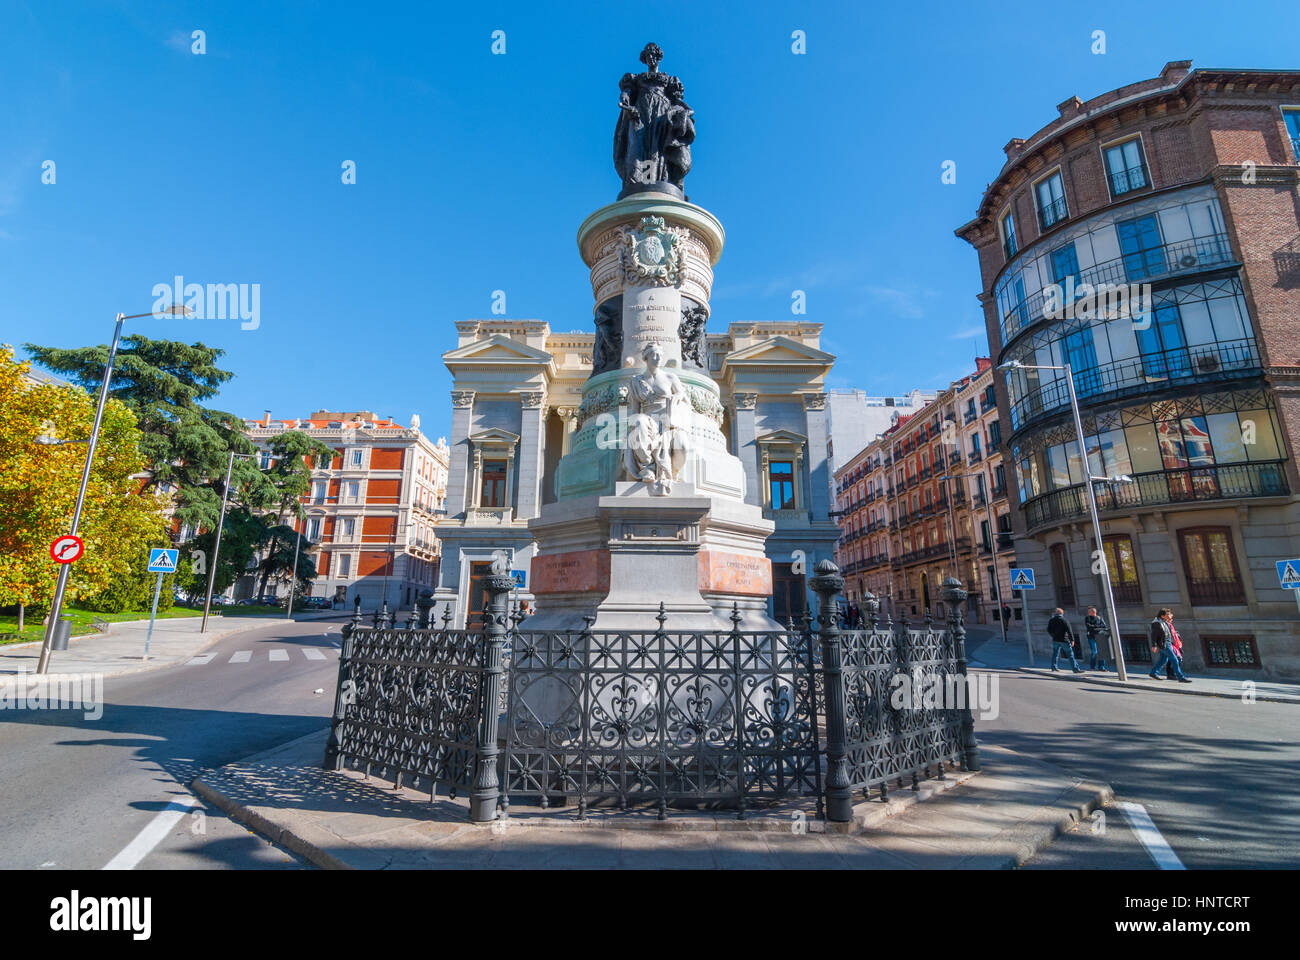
(475, 170)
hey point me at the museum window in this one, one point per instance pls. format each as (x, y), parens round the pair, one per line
(1062, 578)
(356, 457)
(1210, 566)
(1051, 200)
(345, 565)
(1124, 167)
(1009, 246)
(780, 476)
(493, 490)
(1121, 561)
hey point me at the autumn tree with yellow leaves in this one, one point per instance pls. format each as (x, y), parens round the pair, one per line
(38, 490)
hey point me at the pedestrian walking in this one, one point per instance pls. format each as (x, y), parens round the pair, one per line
(1006, 614)
(1166, 646)
(1062, 639)
(1094, 626)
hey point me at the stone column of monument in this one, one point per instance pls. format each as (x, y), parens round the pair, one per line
(650, 505)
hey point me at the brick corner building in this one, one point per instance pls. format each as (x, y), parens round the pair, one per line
(1185, 190)
(372, 509)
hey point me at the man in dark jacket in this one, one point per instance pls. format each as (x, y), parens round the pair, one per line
(1164, 646)
(1095, 626)
(1062, 639)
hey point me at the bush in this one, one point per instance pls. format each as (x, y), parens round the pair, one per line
(131, 591)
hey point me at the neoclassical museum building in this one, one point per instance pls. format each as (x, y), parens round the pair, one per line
(1184, 188)
(515, 409)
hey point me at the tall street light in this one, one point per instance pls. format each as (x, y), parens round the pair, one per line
(56, 608)
(293, 576)
(221, 526)
(1117, 649)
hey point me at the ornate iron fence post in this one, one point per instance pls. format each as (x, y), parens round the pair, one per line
(956, 597)
(343, 693)
(839, 796)
(424, 606)
(487, 788)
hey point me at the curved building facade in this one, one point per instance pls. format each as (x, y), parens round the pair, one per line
(1149, 239)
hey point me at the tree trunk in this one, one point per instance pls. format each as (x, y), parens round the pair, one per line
(22, 612)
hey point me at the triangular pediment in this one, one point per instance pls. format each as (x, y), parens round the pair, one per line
(496, 349)
(781, 436)
(494, 435)
(781, 351)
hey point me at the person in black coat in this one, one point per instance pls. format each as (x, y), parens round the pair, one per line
(1094, 626)
(1062, 639)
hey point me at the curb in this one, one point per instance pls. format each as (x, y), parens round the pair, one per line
(313, 844)
(1160, 687)
(144, 667)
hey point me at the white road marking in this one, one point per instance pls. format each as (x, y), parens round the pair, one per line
(202, 659)
(311, 653)
(279, 655)
(151, 835)
(241, 656)
(1151, 838)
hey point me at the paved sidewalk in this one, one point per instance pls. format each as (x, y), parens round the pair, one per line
(998, 818)
(992, 652)
(121, 650)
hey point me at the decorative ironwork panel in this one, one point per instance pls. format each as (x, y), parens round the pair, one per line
(411, 701)
(661, 717)
(900, 696)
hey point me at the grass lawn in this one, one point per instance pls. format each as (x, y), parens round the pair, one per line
(82, 622)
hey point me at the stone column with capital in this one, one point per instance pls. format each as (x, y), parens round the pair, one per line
(462, 411)
(819, 497)
(529, 465)
(746, 445)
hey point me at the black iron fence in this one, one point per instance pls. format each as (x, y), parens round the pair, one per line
(660, 718)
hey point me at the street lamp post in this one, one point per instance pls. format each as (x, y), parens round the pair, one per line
(56, 607)
(221, 526)
(1117, 650)
(293, 576)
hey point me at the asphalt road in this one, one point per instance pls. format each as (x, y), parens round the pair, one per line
(1216, 776)
(76, 792)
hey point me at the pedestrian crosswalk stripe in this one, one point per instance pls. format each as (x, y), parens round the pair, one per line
(277, 655)
(311, 653)
(242, 656)
(202, 659)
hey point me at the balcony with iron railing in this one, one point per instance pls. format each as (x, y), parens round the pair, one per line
(974, 457)
(1224, 481)
(1126, 181)
(1050, 214)
(1226, 359)
(1155, 263)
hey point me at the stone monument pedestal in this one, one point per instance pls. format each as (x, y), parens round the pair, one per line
(618, 557)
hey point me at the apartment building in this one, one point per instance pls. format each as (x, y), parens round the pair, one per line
(1185, 189)
(372, 508)
(927, 499)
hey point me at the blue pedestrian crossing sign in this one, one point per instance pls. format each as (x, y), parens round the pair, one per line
(162, 560)
(1022, 578)
(1288, 572)
(521, 578)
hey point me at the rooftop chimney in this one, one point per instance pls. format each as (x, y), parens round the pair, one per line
(266, 421)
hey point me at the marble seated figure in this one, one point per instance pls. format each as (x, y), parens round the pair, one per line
(658, 436)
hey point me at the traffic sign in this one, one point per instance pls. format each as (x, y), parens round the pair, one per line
(521, 578)
(67, 548)
(1288, 573)
(1022, 578)
(162, 560)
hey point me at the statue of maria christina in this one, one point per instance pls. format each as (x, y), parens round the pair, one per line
(659, 416)
(652, 142)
